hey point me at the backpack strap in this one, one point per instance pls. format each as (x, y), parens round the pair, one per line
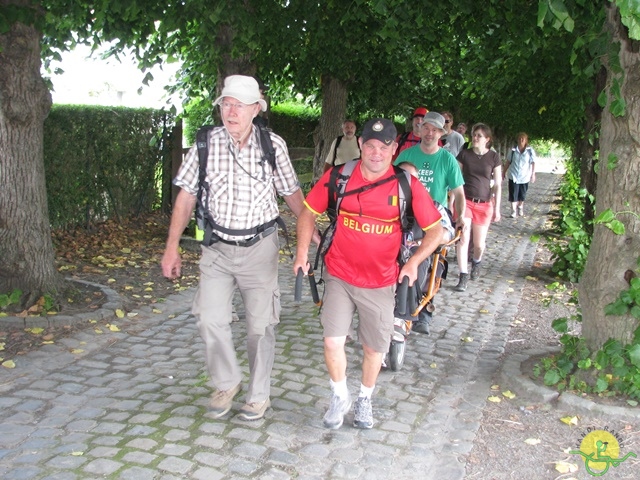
(203, 218)
(337, 185)
(267, 146)
(405, 198)
(403, 140)
(335, 149)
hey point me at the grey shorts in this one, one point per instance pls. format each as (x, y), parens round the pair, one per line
(375, 312)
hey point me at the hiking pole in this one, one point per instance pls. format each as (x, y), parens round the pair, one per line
(401, 296)
(297, 295)
(297, 292)
(314, 287)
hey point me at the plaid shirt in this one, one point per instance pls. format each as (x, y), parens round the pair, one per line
(242, 186)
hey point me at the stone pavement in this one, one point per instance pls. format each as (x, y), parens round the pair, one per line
(132, 404)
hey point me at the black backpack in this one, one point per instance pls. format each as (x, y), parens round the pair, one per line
(203, 218)
(337, 186)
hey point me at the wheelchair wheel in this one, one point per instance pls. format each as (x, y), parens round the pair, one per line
(395, 358)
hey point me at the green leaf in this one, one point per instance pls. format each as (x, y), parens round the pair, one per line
(634, 355)
(616, 308)
(602, 98)
(560, 325)
(612, 161)
(601, 385)
(551, 377)
(617, 227)
(543, 8)
(605, 216)
(584, 364)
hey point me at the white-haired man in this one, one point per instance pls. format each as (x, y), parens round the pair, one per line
(243, 247)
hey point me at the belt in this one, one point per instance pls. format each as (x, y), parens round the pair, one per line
(477, 200)
(247, 242)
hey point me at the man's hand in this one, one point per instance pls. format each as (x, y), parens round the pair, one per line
(171, 264)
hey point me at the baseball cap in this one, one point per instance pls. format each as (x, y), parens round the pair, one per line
(380, 129)
(242, 88)
(420, 112)
(435, 119)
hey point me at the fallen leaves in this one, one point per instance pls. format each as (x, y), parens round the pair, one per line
(570, 420)
(9, 364)
(566, 467)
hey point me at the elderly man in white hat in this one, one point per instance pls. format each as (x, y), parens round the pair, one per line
(242, 247)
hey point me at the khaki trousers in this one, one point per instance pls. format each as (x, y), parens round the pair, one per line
(254, 271)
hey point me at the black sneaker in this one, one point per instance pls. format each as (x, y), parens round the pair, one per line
(420, 326)
(475, 269)
(462, 283)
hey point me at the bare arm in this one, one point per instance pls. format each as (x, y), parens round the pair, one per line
(497, 192)
(295, 202)
(182, 210)
(533, 172)
(460, 206)
(506, 167)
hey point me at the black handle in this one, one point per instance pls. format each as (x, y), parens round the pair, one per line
(297, 293)
(413, 297)
(401, 296)
(314, 287)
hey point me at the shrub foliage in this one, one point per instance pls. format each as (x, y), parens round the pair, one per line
(103, 162)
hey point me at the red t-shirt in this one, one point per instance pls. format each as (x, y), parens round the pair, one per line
(368, 224)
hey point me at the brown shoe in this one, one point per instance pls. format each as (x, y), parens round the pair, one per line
(255, 410)
(221, 401)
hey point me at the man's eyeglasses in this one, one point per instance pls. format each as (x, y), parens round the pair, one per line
(237, 106)
(447, 121)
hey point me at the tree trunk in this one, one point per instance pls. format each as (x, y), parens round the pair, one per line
(26, 249)
(334, 109)
(588, 143)
(612, 258)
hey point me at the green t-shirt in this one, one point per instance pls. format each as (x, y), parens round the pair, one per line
(438, 172)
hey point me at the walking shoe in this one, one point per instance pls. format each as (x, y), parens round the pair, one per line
(221, 401)
(521, 210)
(254, 410)
(420, 326)
(475, 269)
(513, 214)
(337, 410)
(462, 283)
(363, 415)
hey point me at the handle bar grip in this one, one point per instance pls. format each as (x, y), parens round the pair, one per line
(297, 293)
(401, 296)
(413, 298)
(314, 287)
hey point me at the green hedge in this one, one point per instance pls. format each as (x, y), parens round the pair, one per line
(103, 162)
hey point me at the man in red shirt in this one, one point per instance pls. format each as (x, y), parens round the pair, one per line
(361, 266)
(409, 139)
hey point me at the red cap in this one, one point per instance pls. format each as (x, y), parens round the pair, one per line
(420, 112)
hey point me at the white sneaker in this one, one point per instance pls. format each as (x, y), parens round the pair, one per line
(513, 214)
(521, 211)
(338, 408)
